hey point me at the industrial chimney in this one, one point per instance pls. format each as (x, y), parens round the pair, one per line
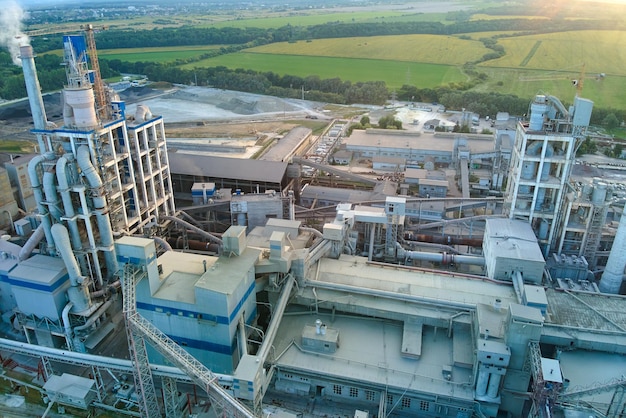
(614, 271)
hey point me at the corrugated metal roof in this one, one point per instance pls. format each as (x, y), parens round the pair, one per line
(286, 146)
(229, 168)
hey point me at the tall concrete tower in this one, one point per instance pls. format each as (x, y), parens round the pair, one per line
(100, 174)
(541, 162)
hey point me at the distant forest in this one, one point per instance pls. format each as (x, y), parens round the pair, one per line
(52, 75)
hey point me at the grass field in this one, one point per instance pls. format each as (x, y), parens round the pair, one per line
(601, 51)
(161, 54)
(394, 73)
(432, 49)
(606, 92)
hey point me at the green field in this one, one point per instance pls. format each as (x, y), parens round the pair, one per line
(432, 49)
(393, 73)
(606, 92)
(310, 19)
(601, 51)
(161, 54)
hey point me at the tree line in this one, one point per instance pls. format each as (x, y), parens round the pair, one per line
(186, 35)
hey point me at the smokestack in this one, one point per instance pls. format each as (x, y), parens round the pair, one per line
(32, 87)
(614, 271)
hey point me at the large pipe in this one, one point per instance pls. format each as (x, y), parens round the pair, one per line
(68, 206)
(444, 239)
(78, 293)
(194, 229)
(100, 208)
(163, 243)
(35, 182)
(33, 90)
(611, 280)
(65, 315)
(32, 242)
(195, 245)
(52, 197)
(443, 258)
(92, 319)
(313, 231)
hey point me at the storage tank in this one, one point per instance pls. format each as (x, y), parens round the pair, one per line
(599, 192)
(538, 110)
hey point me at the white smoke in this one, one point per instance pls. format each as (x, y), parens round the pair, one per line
(11, 35)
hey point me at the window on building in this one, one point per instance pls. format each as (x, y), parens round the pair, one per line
(389, 399)
(354, 392)
(337, 389)
(369, 395)
(406, 402)
(424, 405)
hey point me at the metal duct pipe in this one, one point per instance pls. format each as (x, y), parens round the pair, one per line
(194, 228)
(32, 242)
(68, 206)
(100, 208)
(65, 315)
(101, 310)
(78, 292)
(52, 197)
(164, 244)
(277, 315)
(611, 280)
(314, 231)
(557, 103)
(444, 239)
(34, 92)
(194, 245)
(35, 182)
(443, 258)
(99, 293)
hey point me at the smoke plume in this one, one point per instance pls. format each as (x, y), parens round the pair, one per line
(11, 36)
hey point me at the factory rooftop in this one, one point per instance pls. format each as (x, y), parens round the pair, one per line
(439, 142)
(229, 168)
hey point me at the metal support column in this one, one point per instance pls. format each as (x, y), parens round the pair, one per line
(170, 397)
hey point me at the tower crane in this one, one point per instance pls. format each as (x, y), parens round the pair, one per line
(565, 75)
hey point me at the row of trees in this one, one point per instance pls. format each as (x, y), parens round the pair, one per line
(112, 39)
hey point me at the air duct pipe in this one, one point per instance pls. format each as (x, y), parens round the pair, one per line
(65, 315)
(163, 243)
(442, 258)
(78, 293)
(52, 197)
(313, 231)
(92, 319)
(35, 182)
(32, 242)
(100, 208)
(194, 229)
(68, 206)
(611, 280)
(33, 90)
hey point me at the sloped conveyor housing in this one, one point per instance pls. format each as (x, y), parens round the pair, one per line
(139, 329)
